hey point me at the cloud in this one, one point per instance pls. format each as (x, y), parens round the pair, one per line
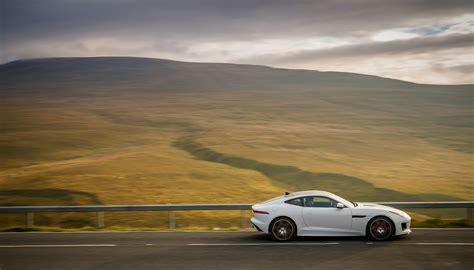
(462, 69)
(215, 19)
(303, 33)
(404, 46)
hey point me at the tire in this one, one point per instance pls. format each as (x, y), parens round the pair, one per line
(380, 228)
(283, 229)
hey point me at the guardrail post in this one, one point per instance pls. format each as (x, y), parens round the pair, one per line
(171, 219)
(100, 220)
(30, 219)
(470, 213)
(242, 219)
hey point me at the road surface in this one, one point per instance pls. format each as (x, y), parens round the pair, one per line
(423, 249)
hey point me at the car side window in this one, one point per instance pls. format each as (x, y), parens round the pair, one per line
(297, 201)
(319, 201)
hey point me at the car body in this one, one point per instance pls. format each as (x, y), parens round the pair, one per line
(320, 213)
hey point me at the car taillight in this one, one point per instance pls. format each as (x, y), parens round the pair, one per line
(260, 212)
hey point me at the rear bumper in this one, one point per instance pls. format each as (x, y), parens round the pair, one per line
(257, 228)
(259, 225)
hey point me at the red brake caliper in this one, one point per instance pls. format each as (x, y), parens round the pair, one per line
(375, 225)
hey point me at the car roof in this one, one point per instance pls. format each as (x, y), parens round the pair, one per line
(309, 192)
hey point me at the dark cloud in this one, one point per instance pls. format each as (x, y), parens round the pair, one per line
(410, 46)
(28, 20)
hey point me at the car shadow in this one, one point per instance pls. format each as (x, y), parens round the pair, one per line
(257, 237)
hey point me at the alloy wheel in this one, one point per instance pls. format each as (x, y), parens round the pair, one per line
(380, 229)
(283, 229)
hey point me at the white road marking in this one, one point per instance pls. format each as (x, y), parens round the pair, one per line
(42, 246)
(244, 244)
(444, 244)
(264, 244)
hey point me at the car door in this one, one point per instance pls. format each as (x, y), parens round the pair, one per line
(320, 214)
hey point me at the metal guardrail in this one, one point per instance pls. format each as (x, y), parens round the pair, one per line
(108, 208)
(100, 209)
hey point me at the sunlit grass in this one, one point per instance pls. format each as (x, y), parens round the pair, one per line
(122, 150)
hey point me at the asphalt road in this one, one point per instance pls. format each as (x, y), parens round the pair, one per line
(423, 249)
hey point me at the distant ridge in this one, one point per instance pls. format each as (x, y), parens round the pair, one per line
(86, 74)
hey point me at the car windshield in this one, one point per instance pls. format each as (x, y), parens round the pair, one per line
(343, 201)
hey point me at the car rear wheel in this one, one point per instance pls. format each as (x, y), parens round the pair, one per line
(380, 228)
(283, 229)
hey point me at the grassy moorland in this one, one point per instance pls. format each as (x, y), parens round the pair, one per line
(145, 131)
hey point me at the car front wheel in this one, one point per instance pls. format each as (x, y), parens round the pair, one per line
(283, 229)
(380, 228)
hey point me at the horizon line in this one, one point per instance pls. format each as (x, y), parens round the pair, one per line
(225, 63)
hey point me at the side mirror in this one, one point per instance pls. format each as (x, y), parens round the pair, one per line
(339, 205)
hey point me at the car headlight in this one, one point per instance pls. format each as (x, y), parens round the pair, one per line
(400, 215)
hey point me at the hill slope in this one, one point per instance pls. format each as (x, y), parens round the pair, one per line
(135, 130)
(163, 75)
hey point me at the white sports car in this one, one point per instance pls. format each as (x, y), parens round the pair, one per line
(320, 213)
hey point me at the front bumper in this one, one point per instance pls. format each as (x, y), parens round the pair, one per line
(402, 224)
(404, 228)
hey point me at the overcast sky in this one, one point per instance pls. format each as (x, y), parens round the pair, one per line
(425, 41)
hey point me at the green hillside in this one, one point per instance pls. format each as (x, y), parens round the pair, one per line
(144, 131)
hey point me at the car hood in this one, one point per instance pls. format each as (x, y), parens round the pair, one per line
(363, 205)
(374, 206)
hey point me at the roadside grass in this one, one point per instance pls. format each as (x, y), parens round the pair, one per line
(161, 219)
(443, 223)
